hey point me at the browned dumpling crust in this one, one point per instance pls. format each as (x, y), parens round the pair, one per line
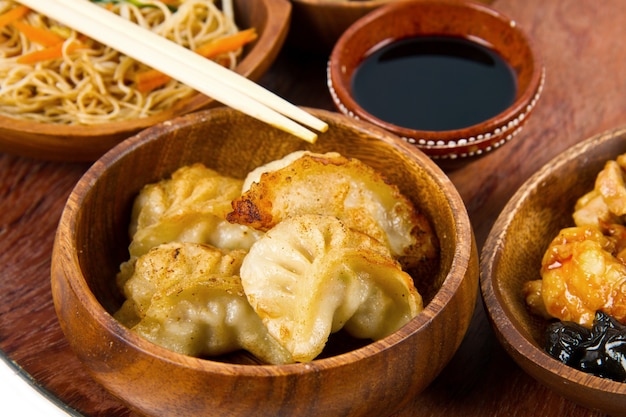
(316, 243)
(188, 297)
(331, 184)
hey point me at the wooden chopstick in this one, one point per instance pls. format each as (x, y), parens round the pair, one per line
(180, 63)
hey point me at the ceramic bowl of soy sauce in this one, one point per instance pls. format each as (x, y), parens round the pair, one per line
(456, 79)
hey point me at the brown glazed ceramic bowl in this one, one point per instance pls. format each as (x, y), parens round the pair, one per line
(375, 379)
(473, 21)
(512, 255)
(87, 143)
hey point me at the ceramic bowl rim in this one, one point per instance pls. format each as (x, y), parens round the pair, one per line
(343, 5)
(490, 133)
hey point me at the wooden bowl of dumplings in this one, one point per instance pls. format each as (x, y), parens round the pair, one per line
(334, 278)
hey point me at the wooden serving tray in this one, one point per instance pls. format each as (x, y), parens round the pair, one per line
(585, 94)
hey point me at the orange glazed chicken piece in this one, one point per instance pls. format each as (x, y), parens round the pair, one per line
(584, 268)
(580, 275)
(606, 203)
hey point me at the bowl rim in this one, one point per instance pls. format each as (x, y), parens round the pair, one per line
(343, 5)
(250, 67)
(507, 329)
(456, 276)
(507, 123)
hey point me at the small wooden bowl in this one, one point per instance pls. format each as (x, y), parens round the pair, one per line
(512, 255)
(374, 379)
(464, 19)
(318, 24)
(87, 143)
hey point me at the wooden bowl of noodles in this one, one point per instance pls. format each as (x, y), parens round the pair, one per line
(69, 140)
(351, 377)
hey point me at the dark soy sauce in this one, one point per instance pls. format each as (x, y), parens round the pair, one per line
(434, 83)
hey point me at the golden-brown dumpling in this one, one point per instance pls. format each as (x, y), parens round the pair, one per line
(311, 275)
(191, 206)
(255, 175)
(330, 184)
(188, 297)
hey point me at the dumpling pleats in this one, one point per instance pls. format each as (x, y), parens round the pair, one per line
(191, 206)
(311, 276)
(188, 298)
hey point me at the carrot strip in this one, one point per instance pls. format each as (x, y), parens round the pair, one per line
(51, 52)
(151, 79)
(227, 44)
(39, 35)
(14, 14)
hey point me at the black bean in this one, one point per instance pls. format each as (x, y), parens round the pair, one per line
(600, 351)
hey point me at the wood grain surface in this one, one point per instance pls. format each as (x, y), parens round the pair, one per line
(581, 42)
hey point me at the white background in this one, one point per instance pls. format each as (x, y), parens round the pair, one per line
(18, 398)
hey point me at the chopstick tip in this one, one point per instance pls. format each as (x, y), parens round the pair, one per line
(311, 138)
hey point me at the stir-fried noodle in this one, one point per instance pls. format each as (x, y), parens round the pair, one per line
(92, 83)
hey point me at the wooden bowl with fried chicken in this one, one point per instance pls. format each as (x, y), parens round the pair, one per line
(544, 274)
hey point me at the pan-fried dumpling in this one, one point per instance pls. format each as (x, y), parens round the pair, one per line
(191, 206)
(255, 175)
(311, 275)
(188, 297)
(330, 184)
